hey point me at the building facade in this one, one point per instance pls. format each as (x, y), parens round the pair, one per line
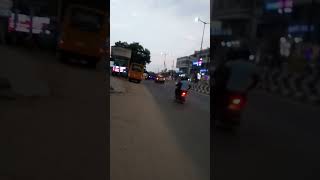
(184, 64)
(236, 18)
(195, 65)
(265, 25)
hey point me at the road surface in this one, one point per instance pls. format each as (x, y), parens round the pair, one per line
(55, 129)
(154, 138)
(278, 139)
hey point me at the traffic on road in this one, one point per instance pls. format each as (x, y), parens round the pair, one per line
(181, 138)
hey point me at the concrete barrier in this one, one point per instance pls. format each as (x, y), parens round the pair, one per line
(304, 87)
(201, 87)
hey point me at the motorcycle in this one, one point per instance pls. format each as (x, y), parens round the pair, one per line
(230, 114)
(181, 97)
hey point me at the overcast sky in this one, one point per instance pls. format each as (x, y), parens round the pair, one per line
(161, 26)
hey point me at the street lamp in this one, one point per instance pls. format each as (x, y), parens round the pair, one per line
(197, 19)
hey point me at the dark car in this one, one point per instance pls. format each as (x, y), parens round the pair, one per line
(151, 77)
(160, 79)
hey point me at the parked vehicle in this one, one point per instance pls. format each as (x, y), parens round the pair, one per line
(83, 34)
(136, 72)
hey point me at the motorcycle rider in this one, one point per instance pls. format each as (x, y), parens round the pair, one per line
(182, 85)
(235, 75)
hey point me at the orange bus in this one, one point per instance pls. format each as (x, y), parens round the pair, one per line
(136, 72)
(84, 34)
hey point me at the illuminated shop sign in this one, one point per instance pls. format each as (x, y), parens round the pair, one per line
(282, 6)
(300, 28)
(279, 4)
(119, 69)
(197, 63)
(203, 70)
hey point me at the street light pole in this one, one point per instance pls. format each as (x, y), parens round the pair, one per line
(172, 69)
(204, 26)
(165, 58)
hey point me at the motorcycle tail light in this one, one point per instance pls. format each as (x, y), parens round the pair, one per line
(183, 94)
(236, 103)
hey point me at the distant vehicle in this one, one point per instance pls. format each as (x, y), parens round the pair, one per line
(151, 77)
(136, 72)
(181, 97)
(83, 34)
(160, 79)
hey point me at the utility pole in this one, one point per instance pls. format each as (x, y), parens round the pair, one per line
(172, 69)
(204, 26)
(165, 58)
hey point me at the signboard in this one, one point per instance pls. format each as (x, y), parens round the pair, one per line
(38, 23)
(197, 63)
(300, 28)
(23, 23)
(280, 6)
(122, 52)
(203, 70)
(119, 69)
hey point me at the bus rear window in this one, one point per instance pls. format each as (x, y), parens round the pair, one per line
(86, 20)
(137, 68)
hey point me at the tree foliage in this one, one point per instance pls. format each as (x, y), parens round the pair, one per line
(139, 55)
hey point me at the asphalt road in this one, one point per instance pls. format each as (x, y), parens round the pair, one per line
(152, 137)
(278, 139)
(190, 122)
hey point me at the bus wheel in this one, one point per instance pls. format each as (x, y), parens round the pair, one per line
(138, 81)
(130, 80)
